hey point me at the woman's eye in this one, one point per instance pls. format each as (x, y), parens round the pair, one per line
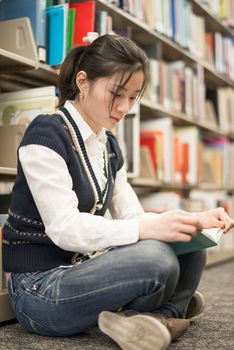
(133, 98)
(115, 94)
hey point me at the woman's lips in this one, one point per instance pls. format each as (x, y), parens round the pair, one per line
(115, 120)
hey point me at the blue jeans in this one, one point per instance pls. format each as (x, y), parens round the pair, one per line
(146, 276)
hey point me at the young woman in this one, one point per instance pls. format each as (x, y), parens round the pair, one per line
(77, 244)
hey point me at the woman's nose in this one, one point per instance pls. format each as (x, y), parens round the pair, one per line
(123, 107)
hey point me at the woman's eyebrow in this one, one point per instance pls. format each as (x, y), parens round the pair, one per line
(123, 88)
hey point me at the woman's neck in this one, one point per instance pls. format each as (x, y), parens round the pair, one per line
(86, 118)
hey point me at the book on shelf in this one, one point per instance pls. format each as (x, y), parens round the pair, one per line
(57, 22)
(17, 110)
(84, 20)
(154, 141)
(207, 238)
(70, 28)
(127, 133)
(147, 169)
(104, 25)
(21, 107)
(189, 138)
(165, 126)
(217, 161)
(225, 102)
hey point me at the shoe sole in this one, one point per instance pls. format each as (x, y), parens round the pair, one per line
(136, 332)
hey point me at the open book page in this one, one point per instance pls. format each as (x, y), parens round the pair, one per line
(214, 233)
(205, 239)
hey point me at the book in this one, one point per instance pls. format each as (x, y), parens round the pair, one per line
(165, 126)
(84, 20)
(57, 22)
(205, 239)
(147, 170)
(153, 139)
(127, 134)
(22, 106)
(70, 29)
(189, 138)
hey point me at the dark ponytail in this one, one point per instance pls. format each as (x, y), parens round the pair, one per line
(107, 55)
(67, 77)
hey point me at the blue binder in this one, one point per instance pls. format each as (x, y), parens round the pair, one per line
(55, 34)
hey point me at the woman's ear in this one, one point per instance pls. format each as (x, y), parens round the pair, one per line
(81, 81)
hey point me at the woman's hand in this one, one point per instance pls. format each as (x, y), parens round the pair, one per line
(215, 218)
(181, 226)
(171, 226)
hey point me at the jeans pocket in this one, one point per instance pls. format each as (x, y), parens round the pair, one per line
(33, 326)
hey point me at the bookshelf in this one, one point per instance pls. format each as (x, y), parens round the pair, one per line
(170, 51)
(19, 72)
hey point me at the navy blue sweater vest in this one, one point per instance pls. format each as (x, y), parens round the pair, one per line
(26, 247)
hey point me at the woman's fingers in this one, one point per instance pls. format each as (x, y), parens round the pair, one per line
(225, 218)
(183, 237)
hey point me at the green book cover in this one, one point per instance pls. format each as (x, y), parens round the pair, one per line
(205, 239)
(70, 29)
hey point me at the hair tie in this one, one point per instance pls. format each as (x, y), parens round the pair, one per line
(91, 36)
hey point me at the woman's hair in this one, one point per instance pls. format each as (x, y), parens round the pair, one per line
(105, 56)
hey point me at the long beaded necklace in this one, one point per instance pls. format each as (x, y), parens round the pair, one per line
(100, 196)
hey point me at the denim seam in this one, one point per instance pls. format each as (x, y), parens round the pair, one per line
(84, 295)
(32, 322)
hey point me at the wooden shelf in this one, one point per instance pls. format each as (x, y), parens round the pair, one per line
(11, 62)
(7, 174)
(151, 110)
(157, 185)
(19, 65)
(8, 171)
(17, 72)
(6, 313)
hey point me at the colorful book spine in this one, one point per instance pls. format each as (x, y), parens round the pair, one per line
(71, 27)
(56, 34)
(84, 20)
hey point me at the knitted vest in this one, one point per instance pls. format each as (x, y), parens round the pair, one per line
(26, 247)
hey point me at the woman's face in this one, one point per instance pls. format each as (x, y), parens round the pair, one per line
(97, 106)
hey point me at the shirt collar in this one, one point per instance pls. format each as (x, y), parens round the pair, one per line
(85, 130)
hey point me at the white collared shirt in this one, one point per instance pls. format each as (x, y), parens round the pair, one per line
(51, 186)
